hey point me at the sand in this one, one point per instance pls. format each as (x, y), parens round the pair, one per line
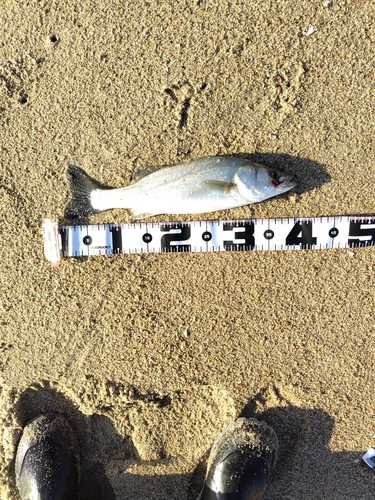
(150, 356)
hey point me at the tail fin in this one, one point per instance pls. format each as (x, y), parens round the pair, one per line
(81, 186)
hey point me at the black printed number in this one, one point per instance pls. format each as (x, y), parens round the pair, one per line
(360, 235)
(116, 239)
(247, 234)
(167, 239)
(301, 234)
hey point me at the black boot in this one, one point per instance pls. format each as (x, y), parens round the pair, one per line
(240, 462)
(47, 461)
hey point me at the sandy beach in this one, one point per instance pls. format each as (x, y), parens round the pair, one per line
(150, 356)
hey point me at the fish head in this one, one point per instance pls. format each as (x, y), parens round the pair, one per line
(260, 182)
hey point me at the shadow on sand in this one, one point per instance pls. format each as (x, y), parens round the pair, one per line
(306, 467)
(308, 173)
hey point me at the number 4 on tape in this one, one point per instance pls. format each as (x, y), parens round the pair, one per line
(207, 236)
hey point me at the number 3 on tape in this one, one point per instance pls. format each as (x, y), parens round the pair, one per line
(207, 236)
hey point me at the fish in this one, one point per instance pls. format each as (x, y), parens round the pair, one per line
(203, 185)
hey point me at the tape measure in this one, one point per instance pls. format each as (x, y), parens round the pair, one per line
(207, 236)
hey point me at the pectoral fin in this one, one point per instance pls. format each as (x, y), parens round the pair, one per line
(236, 181)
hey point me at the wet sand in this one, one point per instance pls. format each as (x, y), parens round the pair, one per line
(151, 356)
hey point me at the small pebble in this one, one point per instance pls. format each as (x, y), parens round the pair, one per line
(310, 31)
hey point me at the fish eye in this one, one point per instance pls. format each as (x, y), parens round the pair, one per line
(274, 175)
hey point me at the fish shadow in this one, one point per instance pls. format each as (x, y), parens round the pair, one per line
(308, 174)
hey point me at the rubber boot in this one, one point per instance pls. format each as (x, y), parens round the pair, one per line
(47, 460)
(240, 463)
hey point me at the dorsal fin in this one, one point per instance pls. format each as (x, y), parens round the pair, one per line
(141, 172)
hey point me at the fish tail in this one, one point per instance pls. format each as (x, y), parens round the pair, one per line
(81, 186)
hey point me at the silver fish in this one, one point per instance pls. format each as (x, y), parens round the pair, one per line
(203, 185)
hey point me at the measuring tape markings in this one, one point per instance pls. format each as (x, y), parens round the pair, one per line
(207, 236)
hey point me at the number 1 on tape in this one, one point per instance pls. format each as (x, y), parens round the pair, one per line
(207, 236)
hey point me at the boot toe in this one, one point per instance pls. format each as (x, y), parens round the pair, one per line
(240, 462)
(47, 460)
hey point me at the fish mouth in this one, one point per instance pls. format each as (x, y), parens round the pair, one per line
(287, 183)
